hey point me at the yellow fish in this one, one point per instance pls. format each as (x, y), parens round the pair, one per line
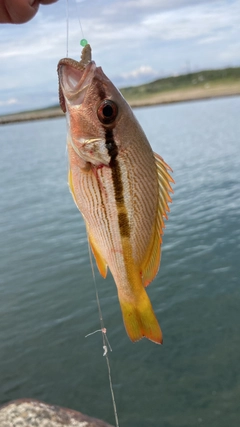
(120, 186)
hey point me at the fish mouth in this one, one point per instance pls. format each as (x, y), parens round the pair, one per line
(74, 78)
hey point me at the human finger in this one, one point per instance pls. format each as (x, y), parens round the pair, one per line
(19, 11)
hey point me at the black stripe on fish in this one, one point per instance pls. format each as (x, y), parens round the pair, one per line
(112, 149)
(117, 183)
(123, 224)
(123, 221)
(110, 144)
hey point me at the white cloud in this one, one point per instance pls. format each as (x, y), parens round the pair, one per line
(198, 22)
(10, 101)
(130, 40)
(142, 71)
(212, 39)
(229, 54)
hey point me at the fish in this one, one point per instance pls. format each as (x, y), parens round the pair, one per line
(120, 186)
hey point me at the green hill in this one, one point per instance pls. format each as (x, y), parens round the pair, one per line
(201, 79)
(187, 87)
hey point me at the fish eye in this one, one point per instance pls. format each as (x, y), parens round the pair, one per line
(107, 111)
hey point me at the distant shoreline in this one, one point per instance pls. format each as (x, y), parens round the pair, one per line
(168, 97)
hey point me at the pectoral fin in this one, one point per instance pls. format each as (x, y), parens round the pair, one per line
(70, 183)
(150, 265)
(101, 263)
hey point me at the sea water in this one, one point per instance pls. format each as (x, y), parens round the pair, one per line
(47, 296)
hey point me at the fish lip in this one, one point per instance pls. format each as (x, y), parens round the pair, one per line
(77, 66)
(74, 79)
(71, 87)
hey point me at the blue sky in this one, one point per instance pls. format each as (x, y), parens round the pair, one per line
(134, 41)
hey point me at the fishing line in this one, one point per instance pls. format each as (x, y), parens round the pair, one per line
(83, 41)
(67, 26)
(103, 330)
(104, 338)
(78, 15)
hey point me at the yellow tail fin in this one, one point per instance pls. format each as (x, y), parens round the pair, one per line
(139, 318)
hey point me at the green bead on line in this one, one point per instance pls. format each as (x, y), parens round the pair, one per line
(83, 42)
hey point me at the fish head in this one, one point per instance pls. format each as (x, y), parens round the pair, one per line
(94, 108)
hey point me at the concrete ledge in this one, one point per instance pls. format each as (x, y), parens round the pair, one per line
(170, 97)
(34, 413)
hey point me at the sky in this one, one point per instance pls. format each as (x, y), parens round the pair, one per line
(134, 41)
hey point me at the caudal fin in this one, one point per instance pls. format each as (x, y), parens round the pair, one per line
(139, 318)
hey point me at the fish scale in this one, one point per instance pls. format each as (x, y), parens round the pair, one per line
(119, 185)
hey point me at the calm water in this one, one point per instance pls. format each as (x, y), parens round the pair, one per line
(47, 297)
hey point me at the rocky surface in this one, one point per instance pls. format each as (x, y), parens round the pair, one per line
(33, 413)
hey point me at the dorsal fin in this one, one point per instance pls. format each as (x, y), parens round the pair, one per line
(150, 265)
